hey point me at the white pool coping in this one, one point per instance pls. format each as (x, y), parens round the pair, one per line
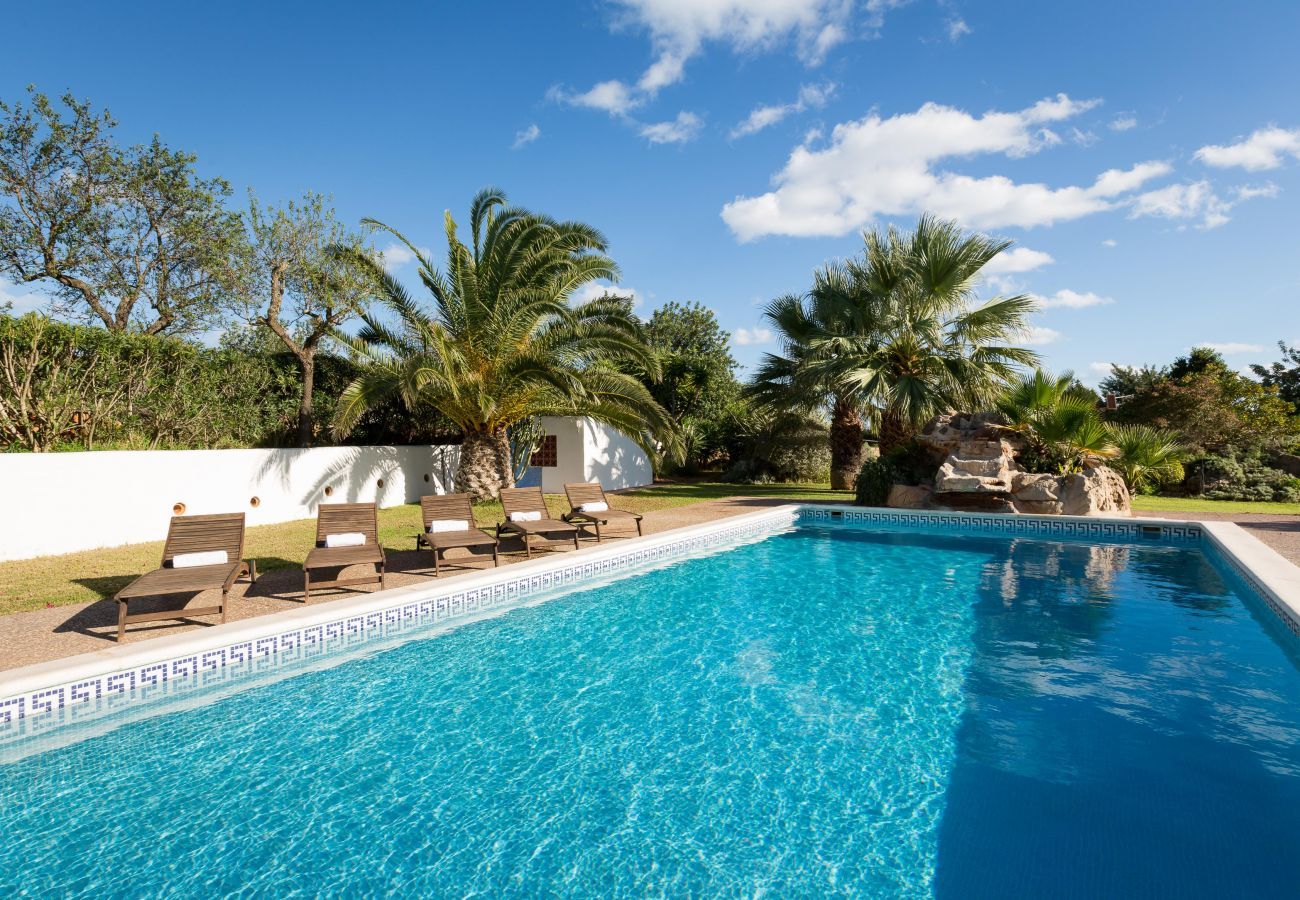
(1273, 577)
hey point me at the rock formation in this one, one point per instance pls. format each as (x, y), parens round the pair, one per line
(979, 473)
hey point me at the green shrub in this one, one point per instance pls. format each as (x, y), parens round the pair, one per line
(875, 479)
(1232, 477)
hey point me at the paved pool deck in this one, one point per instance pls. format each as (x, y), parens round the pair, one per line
(61, 631)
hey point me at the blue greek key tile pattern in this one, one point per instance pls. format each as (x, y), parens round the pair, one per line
(37, 711)
(1286, 615)
(1047, 527)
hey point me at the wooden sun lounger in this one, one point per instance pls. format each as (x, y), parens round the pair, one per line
(450, 507)
(514, 500)
(190, 534)
(591, 492)
(344, 518)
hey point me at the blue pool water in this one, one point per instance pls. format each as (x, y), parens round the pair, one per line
(846, 712)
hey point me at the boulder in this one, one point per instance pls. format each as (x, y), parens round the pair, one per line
(978, 467)
(909, 496)
(1098, 491)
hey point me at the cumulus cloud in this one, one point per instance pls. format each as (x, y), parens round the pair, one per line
(1194, 200)
(680, 29)
(1068, 299)
(893, 167)
(1234, 347)
(18, 300)
(1266, 148)
(750, 337)
(1016, 261)
(527, 136)
(1123, 122)
(593, 289)
(1037, 336)
(675, 131)
(396, 256)
(811, 96)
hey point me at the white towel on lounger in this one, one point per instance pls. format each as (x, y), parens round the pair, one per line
(533, 516)
(202, 558)
(596, 506)
(346, 539)
(440, 525)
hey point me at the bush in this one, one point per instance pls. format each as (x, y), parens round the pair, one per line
(1229, 477)
(782, 447)
(875, 479)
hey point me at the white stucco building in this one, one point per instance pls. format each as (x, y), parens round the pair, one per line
(577, 449)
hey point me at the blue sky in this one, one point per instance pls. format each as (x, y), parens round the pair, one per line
(1146, 157)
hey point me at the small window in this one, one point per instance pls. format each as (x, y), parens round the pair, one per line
(546, 456)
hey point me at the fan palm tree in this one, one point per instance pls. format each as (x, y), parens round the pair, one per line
(1146, 456)
(900, 331)
(1058, 421)
(501, 342)
(809, 327)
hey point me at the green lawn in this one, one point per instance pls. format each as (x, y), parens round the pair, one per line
(1198, 505)
(97, 574)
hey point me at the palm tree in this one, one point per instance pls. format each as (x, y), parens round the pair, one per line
(1058, 421)
(900, 331)
(1147, 456)
(809, 327)
(502, 342)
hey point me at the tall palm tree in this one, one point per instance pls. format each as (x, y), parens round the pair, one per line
(502, 342)
(809, 327)
(900, 331)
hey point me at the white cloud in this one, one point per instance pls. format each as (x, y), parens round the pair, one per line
(811, 96)
(593, 289)
(1110, 242)
(19, 300)
(1102, 368)
(1194, 200)
(613, 97)
(1234, 347)
(891, 167)
(527, 136)
(680, 29)
(1123, 122)
(1017, 260)
(750, 337)
(1264, 149)
(396, 256)
(1068, 299)
(957, 28)
(1083, 138)
(1250, 192)
(1037, 336)
(675, 131)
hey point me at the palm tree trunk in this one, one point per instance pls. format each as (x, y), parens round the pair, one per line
(846, 444)
(895, 430)
(484, 464)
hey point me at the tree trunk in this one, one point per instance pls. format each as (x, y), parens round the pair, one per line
(846, 444)
(308, 364)
(484, 464)
(895, 430)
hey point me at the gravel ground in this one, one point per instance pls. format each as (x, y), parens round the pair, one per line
(52, 633)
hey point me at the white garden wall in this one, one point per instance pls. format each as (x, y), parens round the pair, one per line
(60, 502)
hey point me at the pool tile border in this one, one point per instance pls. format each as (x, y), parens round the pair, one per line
(49, 695)
(40, 698)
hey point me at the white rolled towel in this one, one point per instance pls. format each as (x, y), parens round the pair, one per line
(346, 539)
(202, 558)
(534, 516)
(594, 506)
(439, 525)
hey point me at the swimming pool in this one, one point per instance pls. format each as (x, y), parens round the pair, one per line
(871, 711)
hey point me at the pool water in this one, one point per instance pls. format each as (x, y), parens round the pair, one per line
(824, 712)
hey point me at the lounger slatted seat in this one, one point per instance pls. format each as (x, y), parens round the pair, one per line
(452, 508)
(210, 534)
(583, 493)
(343, 519)
(518, 502)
